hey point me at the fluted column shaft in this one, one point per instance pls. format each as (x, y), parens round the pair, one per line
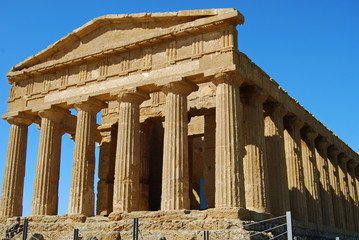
(311, 176)
(106, 170)
(145, 138)
(14, 173)
(293, 152)
(344, 189)
(127, 178)
(229, 182)
(325, 189)
(175, 175)
(82, 181)
(210, 159)
(277, 170)
(335, 186)
(45, 194)
(353, 197)
(255, 160)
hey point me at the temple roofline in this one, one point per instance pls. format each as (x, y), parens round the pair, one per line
(197, 18)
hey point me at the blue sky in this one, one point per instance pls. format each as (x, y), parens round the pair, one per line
(310, 47)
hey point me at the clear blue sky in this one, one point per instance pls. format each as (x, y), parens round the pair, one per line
(311, 48)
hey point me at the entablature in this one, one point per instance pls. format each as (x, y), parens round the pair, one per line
(256, 76)
(141, 38)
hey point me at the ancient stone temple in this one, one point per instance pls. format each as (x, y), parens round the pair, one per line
(187, 122)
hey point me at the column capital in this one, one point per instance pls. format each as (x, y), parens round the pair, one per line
(54, 113)
(275, 108)
(352, 164)
(342, 158)
(19, 120)
(309, 133)
(132, 96)
(89, 105)
(227, 77)
(181, 87)
(333, 152)
(251, 93)
(293, 122)
(322, 143)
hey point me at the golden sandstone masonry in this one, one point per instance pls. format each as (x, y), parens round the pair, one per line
(180, 103)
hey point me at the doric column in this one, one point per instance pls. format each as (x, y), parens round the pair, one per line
(175, 176)
(45, 194)
(82, 182)
(277, 170)
(353, 197)
(311, 176)
(229, 183)
(335, 186)
(325, 189)
(344, 189)
(13, 181)
(106, 169)
(210, 159)
(127, 182)
(293, 152)
(145, 154)
(255, 160)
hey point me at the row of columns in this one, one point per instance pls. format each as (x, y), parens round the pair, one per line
(318, 179)
(286, 165)
(126, 185)
(265, 161)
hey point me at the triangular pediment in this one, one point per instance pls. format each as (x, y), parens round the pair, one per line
(120, 32)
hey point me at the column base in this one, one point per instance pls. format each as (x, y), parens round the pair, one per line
(77, 217)
(229, 213)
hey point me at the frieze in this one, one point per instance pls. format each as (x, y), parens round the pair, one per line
(64, 78)
(171, 52)
(12, 94)
(83, 73)
(114, 64)
(102, 69)
(197, 46)
(29, 87)
(228, 39)
(147, 59)
(124, 63)
(46, 84)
